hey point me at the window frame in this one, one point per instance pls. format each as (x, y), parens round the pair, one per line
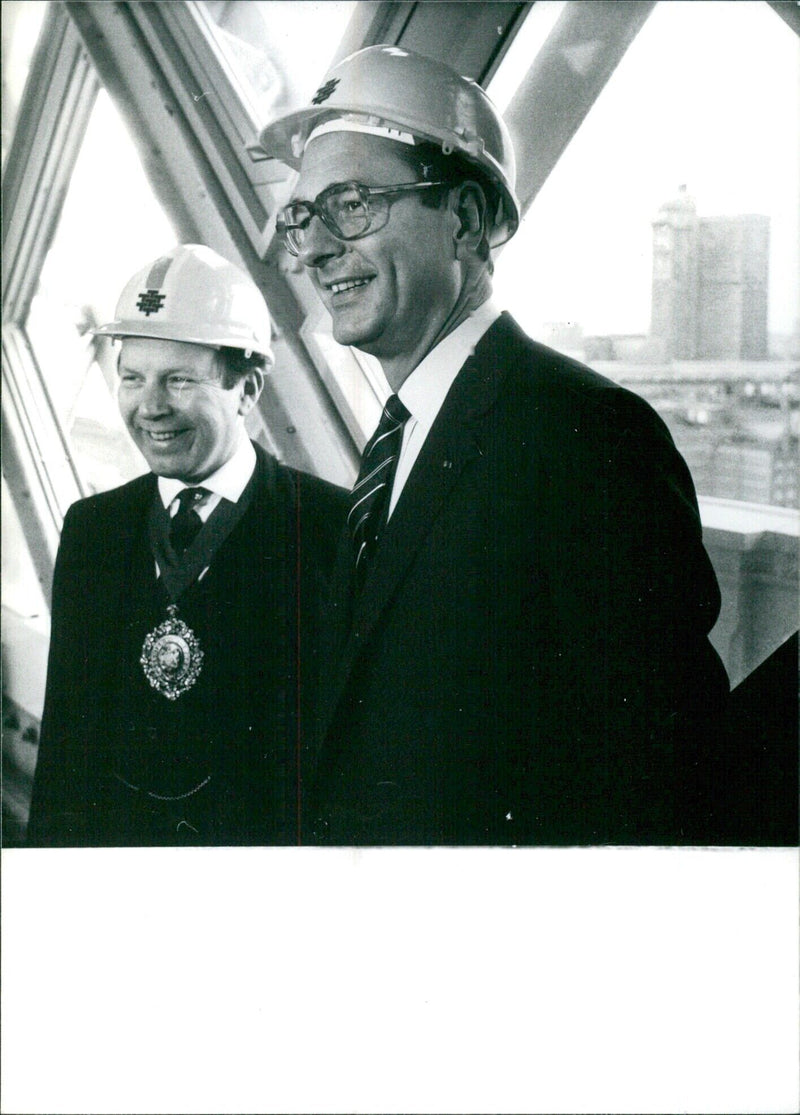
(54, 113)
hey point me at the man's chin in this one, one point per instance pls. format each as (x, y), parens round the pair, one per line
(170, 470)
(357, 334)
(170, 473)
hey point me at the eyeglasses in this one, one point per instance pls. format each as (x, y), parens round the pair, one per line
(348, 210)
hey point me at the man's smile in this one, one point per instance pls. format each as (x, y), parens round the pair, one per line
(162, 436)
(336, 288)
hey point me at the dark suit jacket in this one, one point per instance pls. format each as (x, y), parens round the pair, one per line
(528, 659)
(117, 758)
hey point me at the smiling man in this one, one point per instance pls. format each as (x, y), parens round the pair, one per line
(181, 600)
(519, 645)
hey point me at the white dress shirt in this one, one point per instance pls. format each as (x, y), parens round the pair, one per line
(426, 389)
(228, 482)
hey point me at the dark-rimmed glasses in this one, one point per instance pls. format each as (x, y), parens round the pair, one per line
(348, 209)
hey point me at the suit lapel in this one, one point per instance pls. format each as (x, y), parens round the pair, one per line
(127, 553)
(265, 525)
(453, 442)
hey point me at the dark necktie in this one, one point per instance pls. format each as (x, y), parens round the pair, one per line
(186, 523)
(369, 499)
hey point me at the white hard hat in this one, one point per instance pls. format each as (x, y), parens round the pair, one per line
(390, 88)
(192, 294)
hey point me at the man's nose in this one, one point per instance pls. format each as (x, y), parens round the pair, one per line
(319, 245)
(154, 400)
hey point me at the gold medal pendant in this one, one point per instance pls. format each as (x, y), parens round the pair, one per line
(171, 656)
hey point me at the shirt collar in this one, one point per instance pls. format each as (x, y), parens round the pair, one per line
(426, 388)
(229, 481)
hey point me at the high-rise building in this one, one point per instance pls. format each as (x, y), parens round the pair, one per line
(673, 315)
(710, 283)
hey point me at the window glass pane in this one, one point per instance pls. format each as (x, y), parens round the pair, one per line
(663, 248)
(528, 41)
(280, 51)
(22, 22)
(110, 226)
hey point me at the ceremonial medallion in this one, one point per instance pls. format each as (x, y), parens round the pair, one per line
(171, 656)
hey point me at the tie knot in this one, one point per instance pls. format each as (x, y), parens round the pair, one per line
(189, 498)
(186, 523)
(394, 410)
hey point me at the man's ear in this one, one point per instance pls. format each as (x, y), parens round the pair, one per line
(469, 202)
(251, 385)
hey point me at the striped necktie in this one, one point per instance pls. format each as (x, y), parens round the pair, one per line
(369, 499)
(186, 523)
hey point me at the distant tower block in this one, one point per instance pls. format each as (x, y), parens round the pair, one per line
(733, 277)
(710, 284)
(675, 294)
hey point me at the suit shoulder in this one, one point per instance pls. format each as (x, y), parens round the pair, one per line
(309, 491)
(114, 501)
(305, 485)
(564, 393)
(319, 506)
(323, 492)
(319, 514)
(321, 510)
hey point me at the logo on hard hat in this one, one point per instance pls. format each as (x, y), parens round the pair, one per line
(324, 91)
(150, 302)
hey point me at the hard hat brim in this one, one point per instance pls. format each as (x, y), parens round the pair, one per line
(164, 331)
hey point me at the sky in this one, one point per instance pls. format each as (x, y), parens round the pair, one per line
(708, 95)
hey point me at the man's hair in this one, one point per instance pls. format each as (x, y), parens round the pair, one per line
(235, 363)
(430, 164)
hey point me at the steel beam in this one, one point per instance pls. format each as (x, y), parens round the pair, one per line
(565, 80)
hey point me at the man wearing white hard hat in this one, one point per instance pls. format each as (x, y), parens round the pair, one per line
(182, 599)
(523, 601)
